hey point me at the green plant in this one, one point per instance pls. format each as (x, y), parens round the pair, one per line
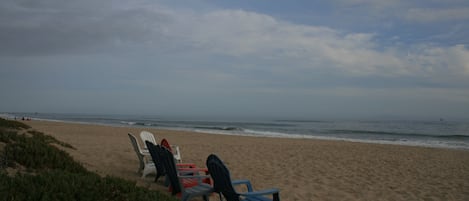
(63, 185)
(49, 139)
(53, 174)
(12, 124)
(35, 153)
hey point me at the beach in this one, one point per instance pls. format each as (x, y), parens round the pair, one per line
(303, 169)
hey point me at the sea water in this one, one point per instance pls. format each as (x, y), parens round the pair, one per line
(438, 133)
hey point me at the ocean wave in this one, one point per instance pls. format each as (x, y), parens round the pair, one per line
(354, 132)
(301, 121)
(134, 123)
(398, 141)
(128, 122)
(219, 128)
(465, 137)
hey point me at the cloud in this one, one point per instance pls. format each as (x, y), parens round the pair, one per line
(453, 60)
(243, 34)
(378, 4)
(431, 15)
(54, 27)
(240, 33)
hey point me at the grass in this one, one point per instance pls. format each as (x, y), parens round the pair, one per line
(4, 123)
(44, 172)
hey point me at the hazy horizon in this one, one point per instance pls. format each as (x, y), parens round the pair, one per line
(237, 118)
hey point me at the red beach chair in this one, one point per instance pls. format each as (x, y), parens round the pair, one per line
(175, 151)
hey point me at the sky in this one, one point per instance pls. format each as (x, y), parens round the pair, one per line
(305, 59)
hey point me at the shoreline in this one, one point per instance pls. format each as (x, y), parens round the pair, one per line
(402, 142)
(301, 169)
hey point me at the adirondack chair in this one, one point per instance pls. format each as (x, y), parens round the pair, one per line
(183, 185)
(147, 136)
(173, 149)
(145, 165)
(223, 185)
(158, 160)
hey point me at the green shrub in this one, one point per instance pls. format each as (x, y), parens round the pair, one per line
(7, 136)
(34, 153)
(12, 124)
(48, 139)
(54, 175)
(62, 185)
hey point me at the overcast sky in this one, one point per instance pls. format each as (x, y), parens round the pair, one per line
(247, 58)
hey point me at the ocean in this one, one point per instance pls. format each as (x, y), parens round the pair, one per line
(439, 133)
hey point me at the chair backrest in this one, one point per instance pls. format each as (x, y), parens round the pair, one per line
(147, 136)
(173, 149)
(164, 142)
(221, 178)
(170, 170)
(133, 141)
(157, 159)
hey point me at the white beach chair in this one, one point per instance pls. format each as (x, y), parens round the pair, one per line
(147, 136)
(146, 165)
(177, 153)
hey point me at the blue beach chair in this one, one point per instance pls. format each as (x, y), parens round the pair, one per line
(223, 185)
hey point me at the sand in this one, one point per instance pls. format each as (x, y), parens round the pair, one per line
(303, 169)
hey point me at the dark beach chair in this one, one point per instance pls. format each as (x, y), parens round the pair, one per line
(223, 185)
(183, 185)
(158, 160)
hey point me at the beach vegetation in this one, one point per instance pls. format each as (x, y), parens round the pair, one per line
(4, 123)
(33, 166)
(64, 185)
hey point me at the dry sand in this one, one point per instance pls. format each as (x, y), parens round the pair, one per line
(301, 169)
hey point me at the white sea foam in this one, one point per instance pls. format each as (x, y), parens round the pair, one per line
(405, 142)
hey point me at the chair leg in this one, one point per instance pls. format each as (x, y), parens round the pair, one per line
(221, 198)
(146, 172)
(148, 169)
(188, 196)
(276, 197)
(185, 197)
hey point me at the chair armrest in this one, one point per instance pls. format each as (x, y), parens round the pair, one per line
(194, 177)
(175, 148)
(198, 177)
(189, 165)
(241, 182)
(194, 170)
(145, 152)
(272, 191)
